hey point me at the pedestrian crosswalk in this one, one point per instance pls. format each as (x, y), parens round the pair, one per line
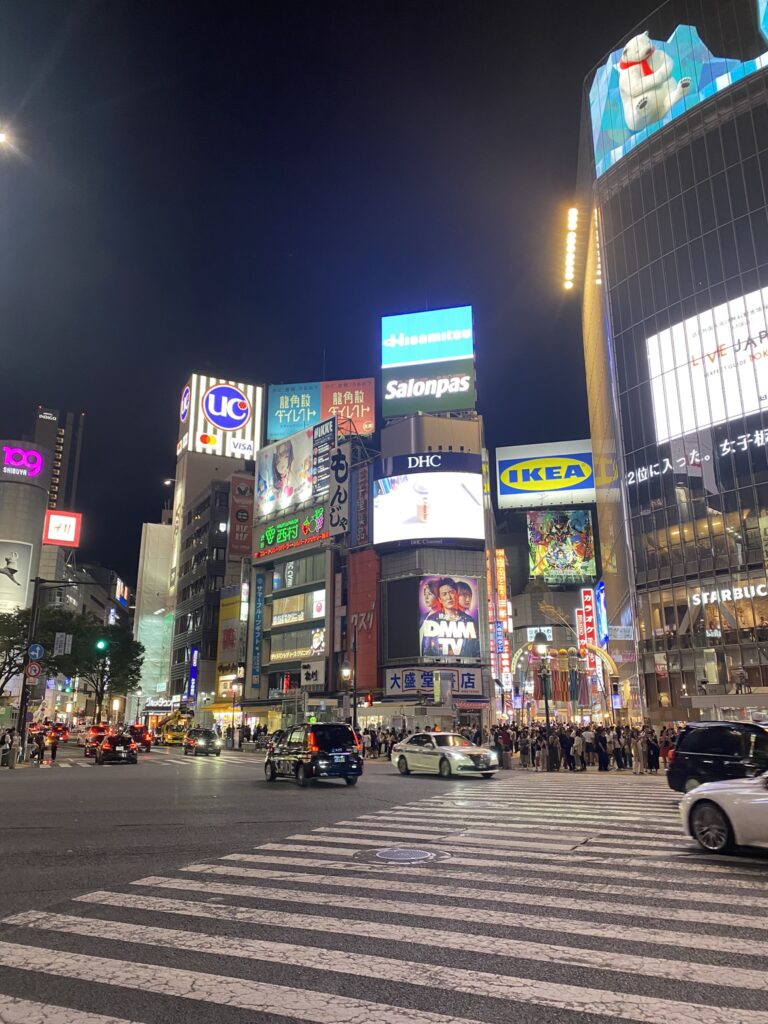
(159, 759)
(538, 897)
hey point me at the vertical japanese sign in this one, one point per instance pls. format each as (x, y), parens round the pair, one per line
(240, 515)
(590, 624)
(360, 511)
(194, 667)
(258, 624)
(338, 500)
(501, 597)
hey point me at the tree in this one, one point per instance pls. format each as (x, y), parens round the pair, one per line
(106, 658)
(13, 644)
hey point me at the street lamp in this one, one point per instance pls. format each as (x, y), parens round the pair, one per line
(540, 646)
(349, 672)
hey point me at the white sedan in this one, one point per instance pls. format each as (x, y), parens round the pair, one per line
(721, 815)
(447, 753)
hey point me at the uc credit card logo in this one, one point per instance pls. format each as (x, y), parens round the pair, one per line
(553, 473)
(186, 399)
(226, 407)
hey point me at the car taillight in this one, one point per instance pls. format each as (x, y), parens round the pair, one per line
(132, 745)
(106, 746)
(671, 756)
(313, 747)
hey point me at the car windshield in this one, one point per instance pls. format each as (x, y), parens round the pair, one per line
(205, 734)
(329, 736)
(450, 740)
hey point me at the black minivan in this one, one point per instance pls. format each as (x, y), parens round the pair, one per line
(717, 752)
(324, 750)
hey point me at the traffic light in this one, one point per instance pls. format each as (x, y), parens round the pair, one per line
(101, 644)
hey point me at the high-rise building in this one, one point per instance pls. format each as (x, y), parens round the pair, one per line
(62, 434)
(670, 236)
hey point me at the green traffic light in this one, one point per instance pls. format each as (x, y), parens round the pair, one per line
(101, 645)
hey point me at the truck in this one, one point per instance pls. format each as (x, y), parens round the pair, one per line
(170, 730)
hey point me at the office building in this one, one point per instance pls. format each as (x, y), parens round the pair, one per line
(62, 434)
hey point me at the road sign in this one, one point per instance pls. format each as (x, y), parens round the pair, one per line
(33, 670)
(35, 652)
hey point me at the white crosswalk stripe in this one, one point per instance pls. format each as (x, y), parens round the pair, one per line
(578, 897)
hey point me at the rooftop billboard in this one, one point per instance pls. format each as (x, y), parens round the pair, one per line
(543, 475)
(649, 82)
(220, 417)
(292, 407)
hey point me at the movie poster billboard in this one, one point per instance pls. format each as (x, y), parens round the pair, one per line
(449, 617)
(295, 470)
(561, 546)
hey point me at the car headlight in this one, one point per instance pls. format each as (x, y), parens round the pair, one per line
(218, 743)
(493, 757)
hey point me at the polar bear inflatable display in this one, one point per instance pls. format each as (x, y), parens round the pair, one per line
(648, 88)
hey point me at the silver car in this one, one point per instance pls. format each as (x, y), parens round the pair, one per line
(446, 753)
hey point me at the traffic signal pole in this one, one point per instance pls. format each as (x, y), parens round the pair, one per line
(34, 615)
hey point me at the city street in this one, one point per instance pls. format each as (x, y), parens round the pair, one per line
(178, 886)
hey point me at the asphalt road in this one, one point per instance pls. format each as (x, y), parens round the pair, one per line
(182, 889)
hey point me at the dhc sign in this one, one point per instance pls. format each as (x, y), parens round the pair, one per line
(542, 475)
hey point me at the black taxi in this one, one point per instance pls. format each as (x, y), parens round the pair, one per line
(322, 750)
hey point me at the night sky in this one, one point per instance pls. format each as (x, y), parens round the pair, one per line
(243, 189)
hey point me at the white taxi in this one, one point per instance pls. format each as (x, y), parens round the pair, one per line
(445, 753)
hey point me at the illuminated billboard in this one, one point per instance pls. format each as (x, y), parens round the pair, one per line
(427, 362)
(649, 82)
(449, 617)
(220, 417)
(561, 546)
(710, 368)
(295, 470)
(543, 475)
(15, 566)
(62, 529)
(296, 531)
(428, 498)
(293, 407)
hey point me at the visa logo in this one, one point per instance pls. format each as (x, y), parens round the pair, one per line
(548, 474)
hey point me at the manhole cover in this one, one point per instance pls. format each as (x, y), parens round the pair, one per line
(402, 856)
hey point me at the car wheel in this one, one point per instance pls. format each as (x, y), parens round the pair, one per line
(691, 784)
(301, 775)
(218, 753)
(488, 775)
(402, 766)
(710, 827)
(445, 768)
(351, 780)
(269, 771)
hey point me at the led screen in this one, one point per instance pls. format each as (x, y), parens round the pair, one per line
(710, 368)
(543, 475)
(561, 546)
(649, 82)
(417, 503)
(448, 617)
(427, 362)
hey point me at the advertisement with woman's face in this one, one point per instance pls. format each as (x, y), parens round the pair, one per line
(285, 474)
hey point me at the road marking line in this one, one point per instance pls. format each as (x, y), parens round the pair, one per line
(495, 896)
(674, 970)
(221, 990)
(454, 912)
(24, 1011)
(521, 879)
(484, 984)
(563, 865)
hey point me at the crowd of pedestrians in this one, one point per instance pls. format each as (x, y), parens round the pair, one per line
(576, 748)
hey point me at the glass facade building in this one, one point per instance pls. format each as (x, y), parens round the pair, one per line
(675, 318)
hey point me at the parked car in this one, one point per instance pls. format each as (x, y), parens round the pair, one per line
(117, 748)
(142, 737)
(446, 753)
(324, 750)
(721, 815)
(95, 735)
(202, 741)
(716, 752)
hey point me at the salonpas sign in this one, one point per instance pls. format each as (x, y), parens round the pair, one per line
(427, 362)
(744, 593)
